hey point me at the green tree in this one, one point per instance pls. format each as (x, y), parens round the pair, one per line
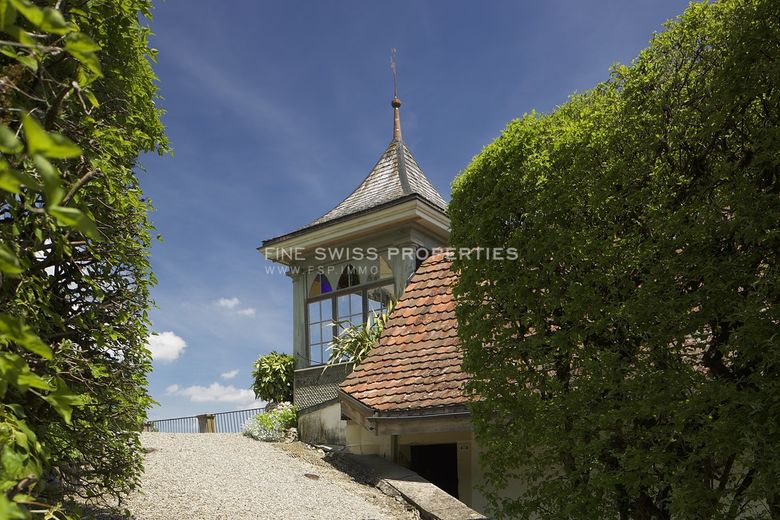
(273, 374)
(628, 363)
(77, 107)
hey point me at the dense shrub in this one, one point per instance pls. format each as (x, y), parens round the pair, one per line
(272, 425)
(273, 375)
(628, 363)
(77, 107)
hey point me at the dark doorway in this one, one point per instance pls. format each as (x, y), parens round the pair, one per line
(437, 463)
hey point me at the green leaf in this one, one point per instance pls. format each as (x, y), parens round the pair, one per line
(7, 14)
(12, 463)
(15, 329)
(12, 180)
(80, 42)
(52, 188)
(8, 141)
(21, 498)
(28, 379)
(8, 178)
(15, 370)
(46, 19)
(9, 510)
(8, 262)
(25, 59)
(92, 98)
(89, 60)
(63, 400)
(75, 218)
(83, 48)
(20, 35)
(48, 144)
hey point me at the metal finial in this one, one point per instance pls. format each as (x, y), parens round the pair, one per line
(393, 53)
(396, 103)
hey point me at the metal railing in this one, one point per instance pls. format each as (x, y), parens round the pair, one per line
(232, 422)
(221, 422)
(176, 425)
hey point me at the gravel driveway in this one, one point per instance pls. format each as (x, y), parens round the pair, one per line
(231, 477)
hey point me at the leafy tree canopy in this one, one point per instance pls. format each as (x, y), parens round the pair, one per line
(273, 374)
(628, 362)
(77, 107)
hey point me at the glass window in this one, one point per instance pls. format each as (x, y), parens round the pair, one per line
(349, 277)
(379, 299)
(319, 286)
(350, 309)
(350, 304)
(320, 331)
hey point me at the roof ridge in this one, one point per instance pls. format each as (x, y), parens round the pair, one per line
(400, 150)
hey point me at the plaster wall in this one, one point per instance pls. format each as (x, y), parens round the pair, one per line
(322, 425)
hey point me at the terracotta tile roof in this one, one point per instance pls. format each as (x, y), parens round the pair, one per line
(416, 364)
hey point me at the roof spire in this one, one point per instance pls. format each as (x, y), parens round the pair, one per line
(396, 103)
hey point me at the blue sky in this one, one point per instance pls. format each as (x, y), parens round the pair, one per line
(277, 110)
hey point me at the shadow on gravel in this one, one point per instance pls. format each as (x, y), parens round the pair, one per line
(92, 512)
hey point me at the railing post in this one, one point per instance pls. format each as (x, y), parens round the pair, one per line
(206, 423)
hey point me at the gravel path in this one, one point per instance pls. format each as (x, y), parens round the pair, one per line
(231, 477)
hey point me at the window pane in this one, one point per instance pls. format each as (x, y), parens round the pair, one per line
(315, 335)
(356, 303)
(327, 332)
(316, 354)
(343, 306)
(314, 312)
(326, 310)
(349, 277)
(380, 297)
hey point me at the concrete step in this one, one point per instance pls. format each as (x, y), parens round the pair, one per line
(392, 479)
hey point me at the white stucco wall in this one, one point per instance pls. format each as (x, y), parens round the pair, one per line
(322, 426)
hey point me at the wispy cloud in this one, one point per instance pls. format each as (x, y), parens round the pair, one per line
(228, 303)
(214, 393)
(229, 375)
(252, 106)
(165, 346)
(232, 304)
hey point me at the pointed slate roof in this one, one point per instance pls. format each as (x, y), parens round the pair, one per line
(395, 176)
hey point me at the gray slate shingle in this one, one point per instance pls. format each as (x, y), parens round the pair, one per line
(396, 175)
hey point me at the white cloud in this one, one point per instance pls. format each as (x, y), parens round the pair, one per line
(230, 374)
(232, 304)
(228, 303)
(171, 389)
(254, 404)
(165, 346)
(216, 392)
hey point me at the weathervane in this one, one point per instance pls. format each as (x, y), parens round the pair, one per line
(393, 53)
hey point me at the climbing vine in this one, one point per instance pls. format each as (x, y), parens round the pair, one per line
(76, 109)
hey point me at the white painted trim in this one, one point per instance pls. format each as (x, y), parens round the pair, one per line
(413, 210)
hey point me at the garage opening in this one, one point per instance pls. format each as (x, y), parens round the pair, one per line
(437, 463)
